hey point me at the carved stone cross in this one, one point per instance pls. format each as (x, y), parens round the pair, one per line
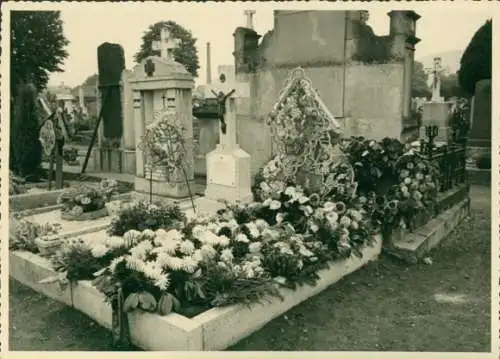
(249, 14)
(166, 44)
(436, 72)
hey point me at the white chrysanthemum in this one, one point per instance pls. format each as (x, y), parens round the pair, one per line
(254, 247)
(187, 247)
(254, 230)
(141, 249)
(261, 224)
(98, 250)
(132, 237)
(227, 255)
(223, 241)
(170, 246)
(163, 282)
(265, 187)
(267, 202)
(198, 255)
(189, 264)
(174, 263)
(134, 263)
(114, 263)
(148, 233)
(275, 205)
(241, 237)
(114, 242)
(208, 251)
(214, 227)
(198, 232)
(161, 233)
(233, 225)
(174, 235)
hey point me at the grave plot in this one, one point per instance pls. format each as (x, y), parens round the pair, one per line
(322, 208)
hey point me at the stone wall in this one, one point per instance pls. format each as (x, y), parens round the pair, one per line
(369, 111)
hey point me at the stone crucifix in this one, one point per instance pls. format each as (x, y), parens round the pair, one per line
(436, 72)
(222, 98)
(249, 14)
(166, 44)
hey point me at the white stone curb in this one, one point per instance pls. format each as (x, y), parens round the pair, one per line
(215, 329)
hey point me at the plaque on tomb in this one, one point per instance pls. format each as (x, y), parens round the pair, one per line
(222, 170)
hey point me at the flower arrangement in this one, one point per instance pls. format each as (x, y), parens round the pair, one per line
(142, 215)
(81, 199)
(79, 259)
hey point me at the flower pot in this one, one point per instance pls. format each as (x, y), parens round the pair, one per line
(86, 216)
(48, 245)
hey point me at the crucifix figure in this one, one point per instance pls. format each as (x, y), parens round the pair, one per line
(249, 14)
(221, 98)
(166, 44)
(436, 79)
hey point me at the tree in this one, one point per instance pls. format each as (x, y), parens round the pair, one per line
(186, 53)
(450, 86)
(91, 80)
(37, 47)
(419, 81)
(475, 64)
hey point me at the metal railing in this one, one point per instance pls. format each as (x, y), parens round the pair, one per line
(449, 157)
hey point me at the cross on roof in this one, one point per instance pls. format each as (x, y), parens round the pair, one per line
(249, 14)
(166, 44)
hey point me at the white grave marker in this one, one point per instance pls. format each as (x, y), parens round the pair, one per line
(228, 166)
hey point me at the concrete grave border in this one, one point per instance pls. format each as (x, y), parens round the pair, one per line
(174, 331)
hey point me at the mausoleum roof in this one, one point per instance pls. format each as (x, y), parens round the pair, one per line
(156, 67)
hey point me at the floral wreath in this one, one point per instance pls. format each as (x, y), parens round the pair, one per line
(163, 142)
(306, 135)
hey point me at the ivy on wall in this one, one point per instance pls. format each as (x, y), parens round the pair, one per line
(371, 49)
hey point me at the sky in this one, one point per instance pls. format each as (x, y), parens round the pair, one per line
(87, 26)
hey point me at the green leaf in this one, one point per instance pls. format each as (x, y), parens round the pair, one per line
(131, 302)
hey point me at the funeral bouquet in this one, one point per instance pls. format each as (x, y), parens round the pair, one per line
(80, 199)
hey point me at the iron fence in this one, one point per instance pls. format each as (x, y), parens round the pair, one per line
(450, 157)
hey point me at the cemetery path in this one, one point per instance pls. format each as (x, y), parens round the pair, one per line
(444, 306)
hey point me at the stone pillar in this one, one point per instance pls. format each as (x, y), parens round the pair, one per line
(138, 132)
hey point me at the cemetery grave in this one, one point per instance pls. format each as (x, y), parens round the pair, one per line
(204, 277)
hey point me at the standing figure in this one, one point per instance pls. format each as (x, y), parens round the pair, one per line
(221, 102)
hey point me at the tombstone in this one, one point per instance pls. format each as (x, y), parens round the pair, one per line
(437, 111)
(479, 142)
(161, 85)
(228, 166)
